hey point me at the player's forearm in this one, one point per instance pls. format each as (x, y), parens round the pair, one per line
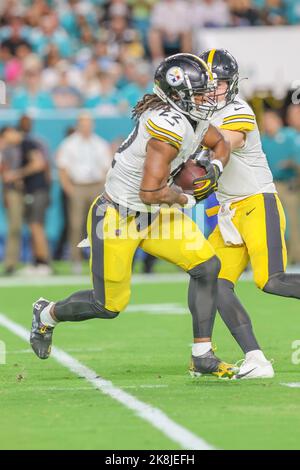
(221, 152)
(166, 196)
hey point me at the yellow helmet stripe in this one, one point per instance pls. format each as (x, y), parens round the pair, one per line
(211, 58)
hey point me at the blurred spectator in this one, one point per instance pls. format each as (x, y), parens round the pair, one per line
(36, 179)
(35, 10)
(141, 11)
(210, 13)
(65, 95)
(102, 54)
(170, 32)
(72, 13)
(107, 101)
(278, 144)
(12, 195)
(83, 160)
(63, 239)
(25, 176)
(293, 121)
(118, 8)
(273, 12)
(51, 75)
(48, 33)
(141, 85)
(292, 11)
(31, 95)
(15, 37)
(243, 13)
(124, 41)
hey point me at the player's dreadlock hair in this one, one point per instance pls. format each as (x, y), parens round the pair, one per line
(149, 101)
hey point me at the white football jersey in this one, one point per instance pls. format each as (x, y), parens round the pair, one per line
(168, 125)
(247, 172)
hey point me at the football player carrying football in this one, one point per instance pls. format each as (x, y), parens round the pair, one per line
(171, 123)
(251, 221)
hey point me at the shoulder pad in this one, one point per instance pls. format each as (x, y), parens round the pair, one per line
(166, 125)
(238, 116)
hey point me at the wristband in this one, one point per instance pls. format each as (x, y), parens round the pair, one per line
(219, 164)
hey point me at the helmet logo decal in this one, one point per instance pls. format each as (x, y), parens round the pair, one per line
(175, 76)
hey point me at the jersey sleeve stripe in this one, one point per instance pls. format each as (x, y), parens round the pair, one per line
(238, 126)
(161, 129)
(239, 120)
(169, 137)
(239, 116)
(164, 138)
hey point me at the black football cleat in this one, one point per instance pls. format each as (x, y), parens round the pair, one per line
(40, 335)
(209, 364)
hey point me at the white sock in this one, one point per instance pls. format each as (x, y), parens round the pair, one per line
(198, 349)
(46, 318)
(256, 354)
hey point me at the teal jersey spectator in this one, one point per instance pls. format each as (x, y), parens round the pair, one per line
(296, 141)
(278, 149)
(292, 11)
(132, 93)
(69, 22)
(59, 38)
(23, 100)
(25, 33)
(110, 99)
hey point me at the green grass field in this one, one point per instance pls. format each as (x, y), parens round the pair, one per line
(146, 353)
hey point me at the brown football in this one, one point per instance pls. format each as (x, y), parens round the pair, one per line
(186, 176)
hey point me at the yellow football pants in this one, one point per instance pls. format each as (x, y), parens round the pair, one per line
(115, 236)
(260, 221)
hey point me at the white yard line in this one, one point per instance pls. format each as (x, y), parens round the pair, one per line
(156, 309)
(154, 416)
(291, 384)
(172, 278)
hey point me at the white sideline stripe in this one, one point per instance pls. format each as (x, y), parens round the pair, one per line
(86, 280)
(185, 438)
(291, 384)
(58, 280)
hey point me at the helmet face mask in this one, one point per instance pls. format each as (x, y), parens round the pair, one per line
(225, 68)
(185, 82)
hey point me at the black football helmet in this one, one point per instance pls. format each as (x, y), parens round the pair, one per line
(224, 67)
(179, 78)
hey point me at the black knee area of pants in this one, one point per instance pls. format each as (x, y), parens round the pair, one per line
(103, 312)
(80, 306)
(274, 283)
(224, 285)
(208, 270)
(284, 285)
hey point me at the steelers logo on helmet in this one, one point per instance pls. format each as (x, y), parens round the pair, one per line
(175, 76)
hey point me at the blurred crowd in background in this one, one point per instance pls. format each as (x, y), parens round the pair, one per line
(100, 55)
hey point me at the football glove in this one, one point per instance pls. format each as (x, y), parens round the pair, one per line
(210, 180)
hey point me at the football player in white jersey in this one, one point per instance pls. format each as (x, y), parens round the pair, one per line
(170, 125)
(251, 221)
